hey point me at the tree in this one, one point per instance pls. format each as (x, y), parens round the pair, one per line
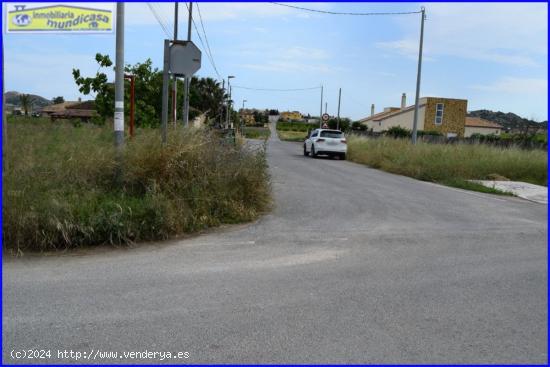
(205, 95)
(345, 123)
(57, 100)
(26, 102)
(104, 91)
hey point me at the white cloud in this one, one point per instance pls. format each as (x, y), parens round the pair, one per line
(513, 85)
(505, 33)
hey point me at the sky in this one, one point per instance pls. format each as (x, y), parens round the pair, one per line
(495, 55)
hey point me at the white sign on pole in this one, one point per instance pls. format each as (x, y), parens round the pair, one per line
(325, 117)
(185, 58)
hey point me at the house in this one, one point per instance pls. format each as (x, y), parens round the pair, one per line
(444, 115)
(58, 107)
(84, 111)
(291, 116)
(477, 125)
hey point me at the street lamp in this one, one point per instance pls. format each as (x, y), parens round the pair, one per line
(244, 100)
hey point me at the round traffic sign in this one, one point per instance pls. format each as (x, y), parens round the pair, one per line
(325, 117)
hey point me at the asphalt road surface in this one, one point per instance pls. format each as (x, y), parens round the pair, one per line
(353, 265)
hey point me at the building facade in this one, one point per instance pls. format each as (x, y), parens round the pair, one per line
(444, 115)
(476, 125)
(291, 115)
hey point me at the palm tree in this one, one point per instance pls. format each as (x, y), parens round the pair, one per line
(26, 103)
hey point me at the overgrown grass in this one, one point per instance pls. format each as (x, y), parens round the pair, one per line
(295, 126)
(292, 135)
(256, 132)
(61, 191)
(450, 164)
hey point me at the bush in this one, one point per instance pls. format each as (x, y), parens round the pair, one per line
(60, 188)
(398, 132)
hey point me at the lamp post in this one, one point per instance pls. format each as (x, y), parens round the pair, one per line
(244, 100)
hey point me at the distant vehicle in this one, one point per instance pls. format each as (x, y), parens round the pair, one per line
(326, 142)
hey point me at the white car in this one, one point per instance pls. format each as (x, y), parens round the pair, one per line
(326, 142)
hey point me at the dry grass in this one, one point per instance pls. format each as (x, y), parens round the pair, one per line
(292, 135)
(449, 163)
(60, 189)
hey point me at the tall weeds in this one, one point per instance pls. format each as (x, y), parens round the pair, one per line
(448, 163)
(60, 189)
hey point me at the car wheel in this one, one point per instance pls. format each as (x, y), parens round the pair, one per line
(313, 154)
(305, 151)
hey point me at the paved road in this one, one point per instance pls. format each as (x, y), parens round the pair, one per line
(354, 265)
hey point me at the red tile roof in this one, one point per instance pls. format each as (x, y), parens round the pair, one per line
(479, 122)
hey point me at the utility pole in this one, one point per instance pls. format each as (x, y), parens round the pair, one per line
(415, 120)
(244, 100)
(187, 77)
(119, 80)
(338, 120)
(321, 110)
(175, 78)
(326, 103)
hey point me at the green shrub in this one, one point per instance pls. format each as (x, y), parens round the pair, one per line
(60, 188)
(398, 132)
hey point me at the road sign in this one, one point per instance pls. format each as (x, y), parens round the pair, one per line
(325, 126)
(325, 117)
(185, 58)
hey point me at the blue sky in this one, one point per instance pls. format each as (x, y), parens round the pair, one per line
(493, 54)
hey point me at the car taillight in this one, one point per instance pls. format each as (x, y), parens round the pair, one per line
(344, 141)
(320, 140)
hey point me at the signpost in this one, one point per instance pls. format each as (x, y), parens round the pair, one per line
(183, 59)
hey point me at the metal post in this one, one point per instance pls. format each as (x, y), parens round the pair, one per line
(119, 78)
(131, 77)
(321, 110)
(338, 120)
(174, 77)
(187, 77)
(229, 117)
(415, 120)
(4, 121)
(326, 103)
(165, 80)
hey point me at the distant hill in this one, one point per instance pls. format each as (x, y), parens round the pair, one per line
(510, 121)
(38, 101)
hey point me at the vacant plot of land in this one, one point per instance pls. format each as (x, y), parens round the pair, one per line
(451, 164)
(251, 132)
(292, 135)
(61, 187)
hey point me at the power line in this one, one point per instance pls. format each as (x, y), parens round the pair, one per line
(207, 43)
(346, 13)
(157, 17)
(209, 56)
(275, 89)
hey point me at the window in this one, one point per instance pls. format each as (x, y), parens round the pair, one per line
(439, 113)
(313, 134)
(335, 134)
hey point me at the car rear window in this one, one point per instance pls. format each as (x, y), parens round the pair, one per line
(331, 134)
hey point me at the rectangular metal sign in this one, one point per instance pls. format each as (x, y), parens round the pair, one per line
(59, 17)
